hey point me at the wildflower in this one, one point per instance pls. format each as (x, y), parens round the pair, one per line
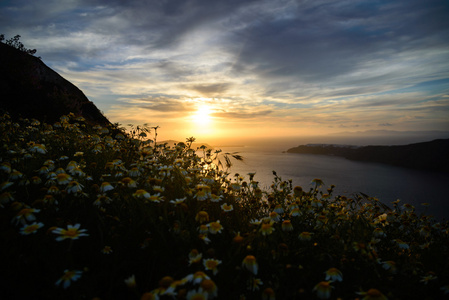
(323, 289)
(389, 265)
(119, 136)
(195, 256)
(227, 208)
(74, 187)
(134, 172)
(427, 278)
(316, 203)
(204, 238)
(77, 171)
(266, 228)
(445, 289)
(131, 281)
(209, 287)
(401, 244)
(287, 225)
(202, 217)
(142, 194)
(106, 186)
(333, 274)
(305, 236)
(129, 182)
(203, 229)
(278, 209)
(196, 277)
(295, 212)
(254, 284)
(317, 182)
(71, 165)
(235, 186)
(268, 294)
(215, 227)
(197, 295)
(63, 178)
(275, 216)
(378, 232)
(53, 190)
(372, 294)
(165, 170)
(178, 201)
(32, 228)
(215, 198)
(203, 192)
(255, 222)
(6, 197)
(5, 166)
(78, 154)
(26, 214)
(158, 188)
(36, 180)
(5, 184)
(425, 231)
(72, 232)
(211, 264)
(68, 277)
(250, 263)
(43, 170)
(155, 198)
(237, 238)
(15, 175)
(106, 250)
(38, 148)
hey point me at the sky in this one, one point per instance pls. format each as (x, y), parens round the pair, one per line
(240, 69)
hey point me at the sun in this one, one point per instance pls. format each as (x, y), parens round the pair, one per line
(202, 116)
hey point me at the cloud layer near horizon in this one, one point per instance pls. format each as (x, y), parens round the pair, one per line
(293, 66)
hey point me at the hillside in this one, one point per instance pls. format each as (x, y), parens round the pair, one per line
(33, 90)
(427, 155)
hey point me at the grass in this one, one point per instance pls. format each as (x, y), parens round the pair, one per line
(97, 213)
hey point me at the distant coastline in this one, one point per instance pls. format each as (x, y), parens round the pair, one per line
(433, 155)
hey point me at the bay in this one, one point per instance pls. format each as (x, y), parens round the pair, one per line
(385, 182)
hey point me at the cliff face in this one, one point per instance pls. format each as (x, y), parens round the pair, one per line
(30, 89)
(431, 155)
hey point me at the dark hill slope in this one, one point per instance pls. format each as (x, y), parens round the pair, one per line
(432, 155)
(30, 89)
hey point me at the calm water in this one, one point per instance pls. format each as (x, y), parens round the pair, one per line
(387, 183)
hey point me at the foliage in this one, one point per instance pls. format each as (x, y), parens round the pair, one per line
(88, 211)
(14, 42)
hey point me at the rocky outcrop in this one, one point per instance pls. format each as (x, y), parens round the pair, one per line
(31, 89)
(431, 155)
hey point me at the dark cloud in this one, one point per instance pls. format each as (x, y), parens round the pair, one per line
(160, 103)
(211, 90)
(322, 41)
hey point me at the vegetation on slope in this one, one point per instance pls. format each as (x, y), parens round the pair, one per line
(92, 212)
(33, 90)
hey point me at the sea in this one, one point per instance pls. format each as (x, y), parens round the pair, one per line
(385, 182)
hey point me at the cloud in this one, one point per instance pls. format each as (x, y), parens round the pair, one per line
(159, 103)
(293, 62)
(241, 114)
(210, 90)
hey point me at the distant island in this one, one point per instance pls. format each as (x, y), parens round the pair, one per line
(433, 155)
